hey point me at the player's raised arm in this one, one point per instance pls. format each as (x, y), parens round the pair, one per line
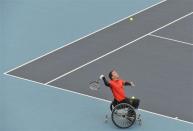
(102, 77)
(129, 83)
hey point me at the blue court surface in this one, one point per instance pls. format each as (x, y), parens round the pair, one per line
(50, 50)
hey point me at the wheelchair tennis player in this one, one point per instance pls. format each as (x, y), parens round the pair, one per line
(116, 84)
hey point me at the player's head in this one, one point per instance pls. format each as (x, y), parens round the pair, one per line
(113, 75)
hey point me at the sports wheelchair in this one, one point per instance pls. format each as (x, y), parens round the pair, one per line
(124, 115)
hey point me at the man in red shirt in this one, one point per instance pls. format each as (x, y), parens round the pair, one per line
(117, 87)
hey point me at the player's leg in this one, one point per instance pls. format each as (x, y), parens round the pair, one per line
(115, 102)
(133, 102)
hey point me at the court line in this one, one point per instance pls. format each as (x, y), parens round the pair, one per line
(161, 37)
(96, 98)
(169, 117)
(65, 74)
(106, 27)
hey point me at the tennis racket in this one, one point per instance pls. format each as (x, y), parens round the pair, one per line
(94, 85)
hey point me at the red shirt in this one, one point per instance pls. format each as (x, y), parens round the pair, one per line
(117, 88)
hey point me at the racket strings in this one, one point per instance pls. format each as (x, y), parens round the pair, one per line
(94, 85)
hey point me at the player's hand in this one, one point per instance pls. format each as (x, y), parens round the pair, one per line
(101, 76)
(132, 84)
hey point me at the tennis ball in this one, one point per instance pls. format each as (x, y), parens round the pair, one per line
(131, 19)
(133, 97)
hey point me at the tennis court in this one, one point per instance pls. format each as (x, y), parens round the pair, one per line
(154, 50)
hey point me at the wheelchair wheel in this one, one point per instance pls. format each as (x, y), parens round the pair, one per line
(123, 115)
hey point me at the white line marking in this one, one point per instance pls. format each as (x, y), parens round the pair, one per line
(116, 49)
(169, 117)
(96, 98)
(171, 39)
(55, 87)
(106, 27)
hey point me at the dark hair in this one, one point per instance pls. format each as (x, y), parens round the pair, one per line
(111, 74)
